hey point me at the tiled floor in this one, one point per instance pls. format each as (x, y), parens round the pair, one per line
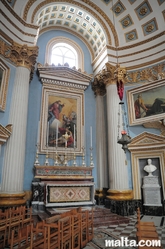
(123, 230)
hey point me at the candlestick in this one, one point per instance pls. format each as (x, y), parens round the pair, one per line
(83, 157)
(47, 137)
(91, 158)
(36, 160)
(38, 135)
(56, 134)
(74, 136)
(91, 135)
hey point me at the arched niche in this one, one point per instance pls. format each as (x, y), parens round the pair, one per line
(145, 146)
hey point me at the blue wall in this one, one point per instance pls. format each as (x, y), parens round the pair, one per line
(35, 95)
(4, 116)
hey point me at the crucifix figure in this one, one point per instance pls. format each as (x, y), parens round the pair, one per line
(66, 136)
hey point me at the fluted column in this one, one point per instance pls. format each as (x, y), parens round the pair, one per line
(102, 177)
(13, 168)
(118, 170)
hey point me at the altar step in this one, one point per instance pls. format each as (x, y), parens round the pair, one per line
(101, 216)
(104, 217)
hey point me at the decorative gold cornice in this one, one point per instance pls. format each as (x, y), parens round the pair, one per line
(5, 133)
(118, 195)
(146, 75)
(142, 65)
(24, 41)
(141, 43)
(14, 25)
(137, 52)
(73, 32)
(18, 17)
(88, 9)
(21, 55)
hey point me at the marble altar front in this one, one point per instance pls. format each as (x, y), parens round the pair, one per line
(61, 186)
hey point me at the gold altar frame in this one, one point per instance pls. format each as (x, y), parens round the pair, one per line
(4, 79)
(149, 92)
(73, 105)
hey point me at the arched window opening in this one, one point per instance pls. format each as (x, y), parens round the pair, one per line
(63, 54)
(59, 48)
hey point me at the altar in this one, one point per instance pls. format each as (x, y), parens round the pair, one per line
(62, 186)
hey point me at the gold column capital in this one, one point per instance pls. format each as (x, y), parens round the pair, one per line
(98, 85)
(109, 75)
(115, 73)
(20, 55)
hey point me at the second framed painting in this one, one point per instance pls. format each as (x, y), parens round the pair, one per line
(146, 103)
(61, 120)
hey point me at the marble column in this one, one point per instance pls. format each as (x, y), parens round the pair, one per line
(118, 170)
(13, 168)
(102, 176)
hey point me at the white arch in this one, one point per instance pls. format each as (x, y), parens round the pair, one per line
(55, 40)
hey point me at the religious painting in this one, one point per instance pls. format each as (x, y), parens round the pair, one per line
(61, 128)
(4, 78)
(146, 103)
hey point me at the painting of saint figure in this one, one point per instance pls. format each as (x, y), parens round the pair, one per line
(146, 103)
(150, 102)
(62, 121)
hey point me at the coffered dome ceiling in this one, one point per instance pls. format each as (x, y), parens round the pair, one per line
(116, 23)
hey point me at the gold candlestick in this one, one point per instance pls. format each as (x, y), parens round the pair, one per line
(56, 158)
(36, 160)
(91, 158)
(83, 157)
(74, 159)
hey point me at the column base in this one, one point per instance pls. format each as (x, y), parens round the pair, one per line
(119, 195)
(100, 195)
(12, 199)
(153, 210)
(123, 208)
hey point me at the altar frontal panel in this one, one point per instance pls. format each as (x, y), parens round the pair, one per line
(71, 194)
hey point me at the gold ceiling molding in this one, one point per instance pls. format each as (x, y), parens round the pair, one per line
(122, 56)
(18, 17)
(138, 52)
(148, 63)
(126, 55)
(21, 55)
(5, 133)
(24, 41)
(13, 24)
(140, 43)
(145, 64)
(108, 21)
(73, 32)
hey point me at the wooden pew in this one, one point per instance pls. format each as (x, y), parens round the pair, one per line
(146, 231)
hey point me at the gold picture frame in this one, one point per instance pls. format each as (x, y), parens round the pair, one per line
(4, 80)
(146, 103)
(61, 114)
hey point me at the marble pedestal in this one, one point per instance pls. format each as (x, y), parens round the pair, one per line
(151, 191)
(152, 196)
